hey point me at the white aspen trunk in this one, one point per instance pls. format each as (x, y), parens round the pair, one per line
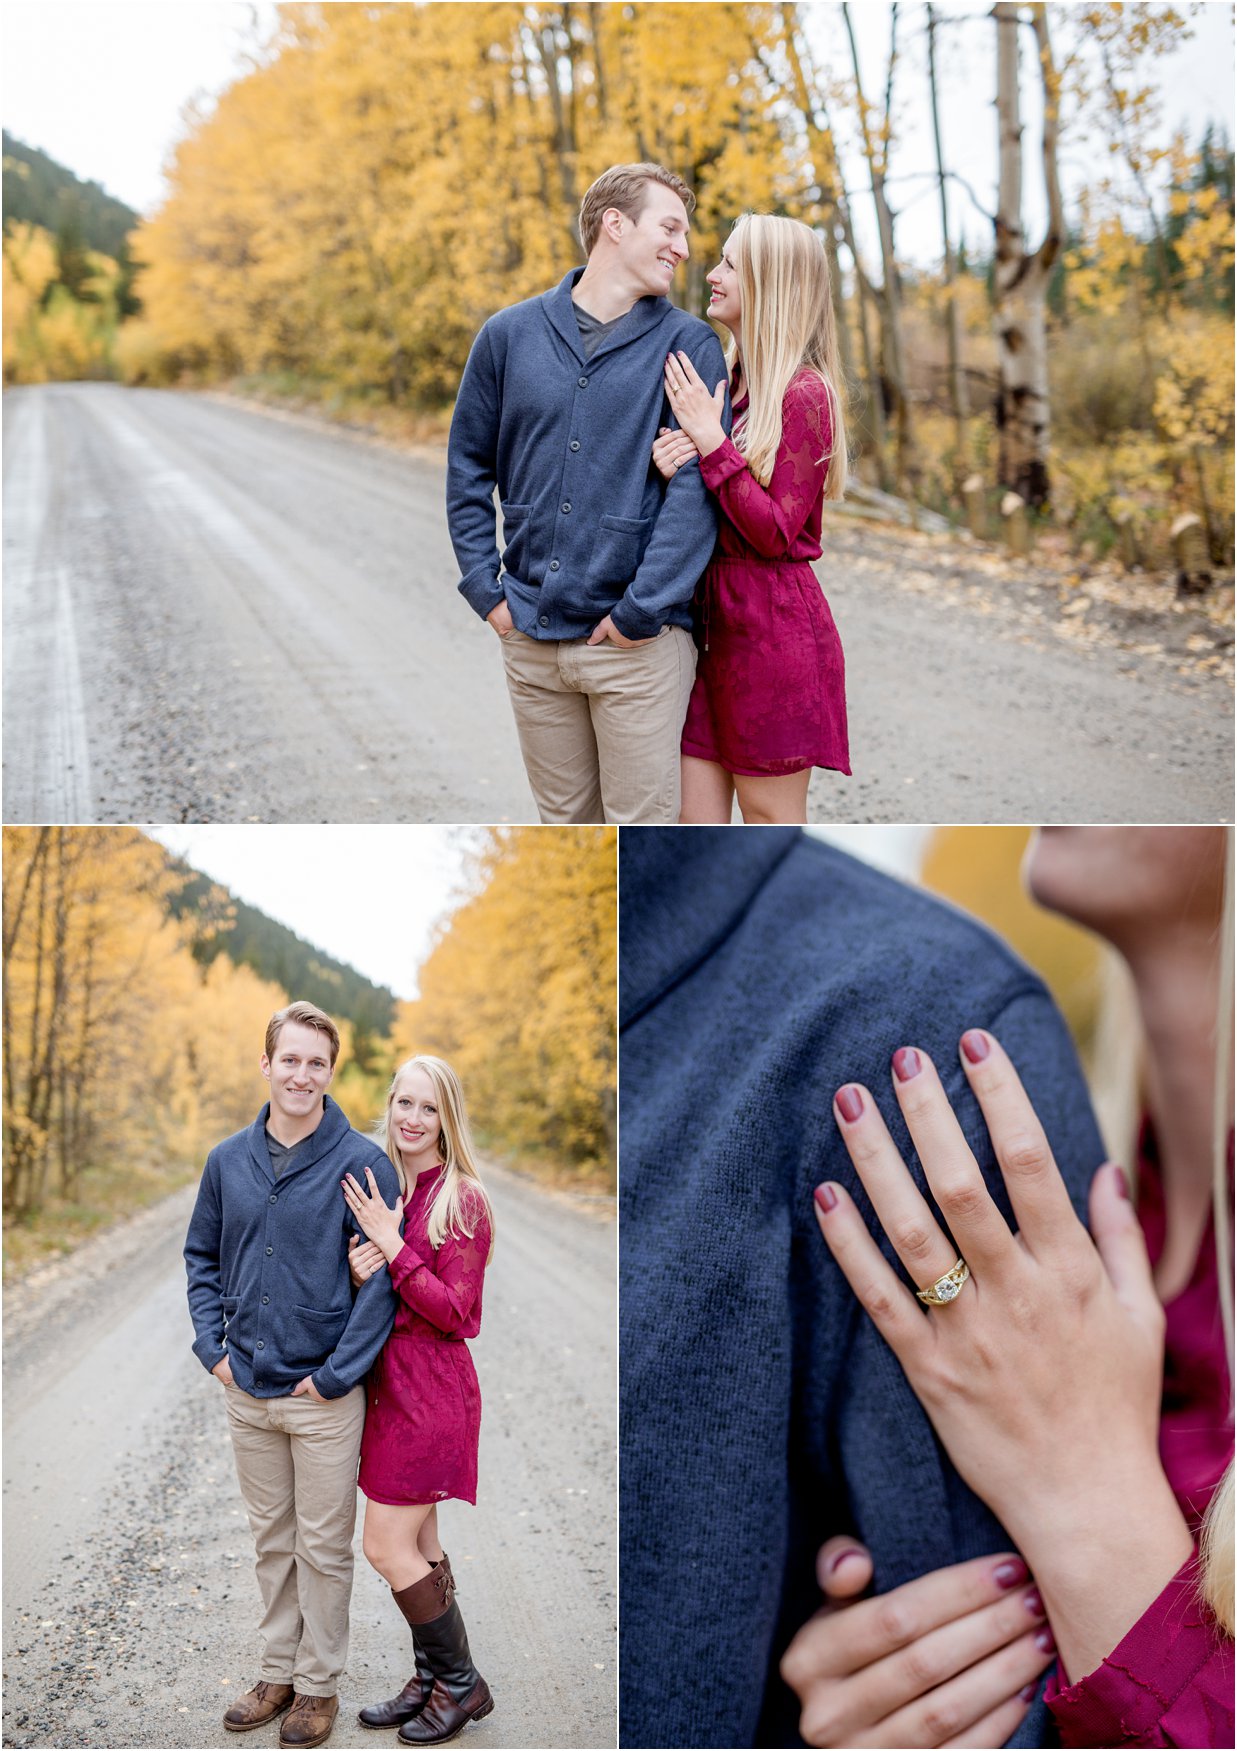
(1021, 275)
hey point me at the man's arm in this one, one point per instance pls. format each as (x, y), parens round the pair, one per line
(373, 1312)
(686, 528)
(472, 475)
(203, 1267)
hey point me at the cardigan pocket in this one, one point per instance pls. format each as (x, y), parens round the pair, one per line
(517, 523)
(310, 1334)
(617, 552)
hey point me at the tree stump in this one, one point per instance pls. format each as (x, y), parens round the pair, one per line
(1190, 552)
(975, 499)
(1014, 525)
(1127, 540)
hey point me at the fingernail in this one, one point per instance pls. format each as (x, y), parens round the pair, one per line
(1033, 1602)
(1027, 1693)
(842, 1556)
(975, 1045)
(826, 1197)
(850, 1103)
(906, 1063)
(1009, 1573)
(1044, 1641)
(1122, 1184)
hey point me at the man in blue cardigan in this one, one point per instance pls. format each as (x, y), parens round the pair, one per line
(760, 1412)
(558, 408)
(276, 1323)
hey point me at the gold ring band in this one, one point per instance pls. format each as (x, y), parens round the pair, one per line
(947, 1287)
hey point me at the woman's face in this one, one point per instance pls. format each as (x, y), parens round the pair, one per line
(415, 1121)
(1129, 883)
(724, 303)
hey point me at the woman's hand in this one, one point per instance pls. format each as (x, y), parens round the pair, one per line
(671, 450)
(698, 412)
(364, 1260)
(1043, 1376)
(949, 1659)
(374, 1220)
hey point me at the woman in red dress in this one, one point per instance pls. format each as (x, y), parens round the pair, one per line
(1081, 1384)
(423, 1418)
(769, 702)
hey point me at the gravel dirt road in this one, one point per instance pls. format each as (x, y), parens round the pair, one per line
(129, 1598)
(215, 612)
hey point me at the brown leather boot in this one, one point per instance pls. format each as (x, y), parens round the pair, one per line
(416, 1693)
(460, 1693)
(261, 1704)
(310, 1722)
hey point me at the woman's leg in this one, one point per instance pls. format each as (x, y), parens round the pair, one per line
(781, 799)
(390, 1542)
(707, 793)
(427, 1538)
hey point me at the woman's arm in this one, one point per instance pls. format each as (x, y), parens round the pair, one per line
(768, 517)
(441, 1286)
(1042, 1378)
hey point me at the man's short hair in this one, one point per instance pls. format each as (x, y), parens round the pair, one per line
(308, 1015)
(625, 186)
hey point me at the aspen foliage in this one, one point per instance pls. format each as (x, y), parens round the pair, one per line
(52, 332)
(519, 995)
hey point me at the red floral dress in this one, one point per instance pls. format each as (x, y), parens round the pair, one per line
(423, 1415)
(770, 691)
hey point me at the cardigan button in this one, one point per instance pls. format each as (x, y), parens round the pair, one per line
(566, 507)
(265, 1299)
(544, 620)
(553, 565)
(574, 444)
(261, 1343)
(272, 1199)
(269, 1251)
(583, 382)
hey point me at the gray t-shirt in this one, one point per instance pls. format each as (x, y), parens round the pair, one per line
(593, 332)
(280, 1153)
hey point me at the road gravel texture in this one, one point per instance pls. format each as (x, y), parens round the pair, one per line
(130, 1605)
(220, 613)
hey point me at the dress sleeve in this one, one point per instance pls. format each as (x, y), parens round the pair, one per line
(770, 517)
(443, 1286)
(1168, 1682)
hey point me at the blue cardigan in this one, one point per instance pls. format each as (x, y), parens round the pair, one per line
(268, 1262)
(590, 528)
(760, 1411)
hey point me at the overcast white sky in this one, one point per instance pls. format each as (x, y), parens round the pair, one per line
(100, 85)
(369, 896)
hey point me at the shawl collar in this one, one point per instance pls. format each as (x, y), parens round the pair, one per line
(334, 1126)
(645, 314)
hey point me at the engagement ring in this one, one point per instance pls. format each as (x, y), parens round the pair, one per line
(945, 1288)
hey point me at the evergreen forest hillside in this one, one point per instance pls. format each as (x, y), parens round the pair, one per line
(38, 191)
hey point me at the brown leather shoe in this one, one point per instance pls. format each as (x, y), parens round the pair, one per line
(310, 1722)
(261, 1704)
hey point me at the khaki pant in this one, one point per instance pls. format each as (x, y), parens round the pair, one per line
(296, 1461)
(600, 726)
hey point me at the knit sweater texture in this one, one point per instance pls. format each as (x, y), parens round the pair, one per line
(760, 1411)
(267, 1261)
(590, 528)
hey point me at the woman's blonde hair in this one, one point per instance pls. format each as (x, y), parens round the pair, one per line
(788, 326)
(457, 1208)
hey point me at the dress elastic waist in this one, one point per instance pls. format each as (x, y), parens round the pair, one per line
(759, 563)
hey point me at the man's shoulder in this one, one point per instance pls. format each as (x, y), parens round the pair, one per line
(688, 331)
(513, 317)
(859, 924)
(229, 1147)
(365, 1152)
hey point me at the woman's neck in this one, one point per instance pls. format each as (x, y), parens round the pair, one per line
(1177, 984)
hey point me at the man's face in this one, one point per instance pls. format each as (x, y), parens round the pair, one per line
(651, 247)
(300, 1072)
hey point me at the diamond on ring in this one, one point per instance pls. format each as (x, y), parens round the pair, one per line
(947, 1287)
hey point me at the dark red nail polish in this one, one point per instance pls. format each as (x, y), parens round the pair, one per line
(837, 1561)
(1123, 1185)
(906, 1063)
(850, 1103)
(975, 1045)
(826, 1197)
(1027, 1693)
(1009, 1573)
(1044, 1641)
(1033, 1603)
